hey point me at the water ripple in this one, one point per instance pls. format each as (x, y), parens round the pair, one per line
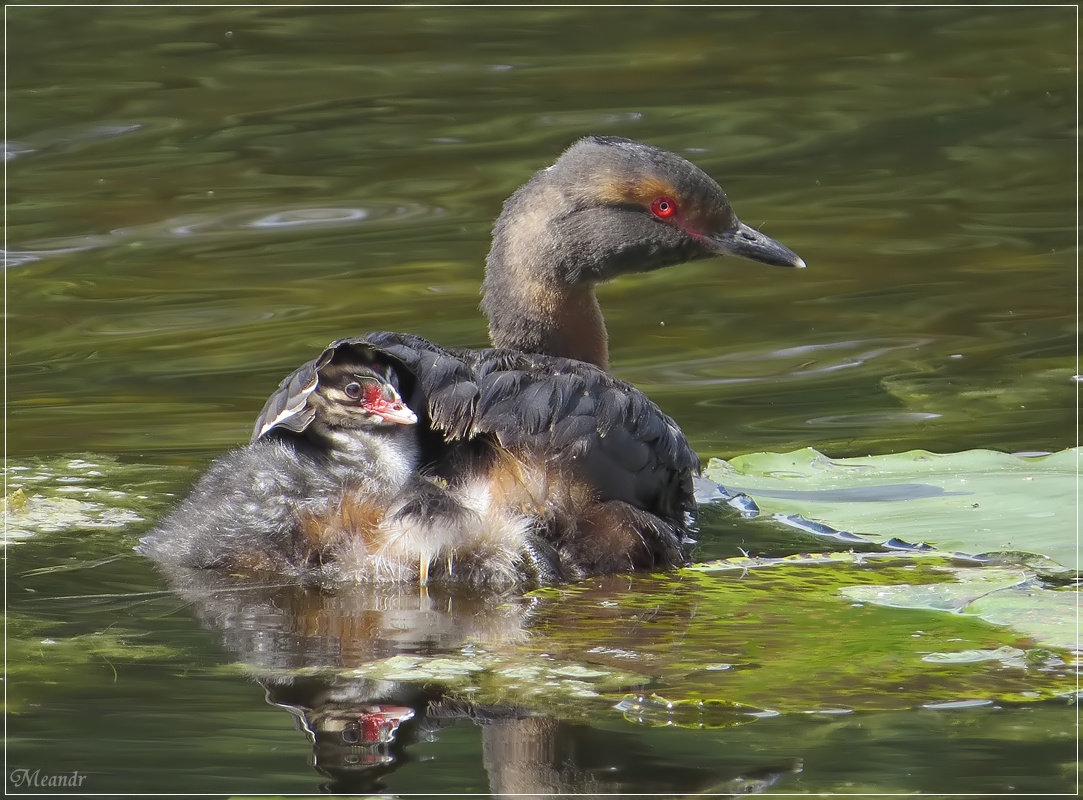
(52, 248)
(229, 224)
(310, 216)
(13, 150)
(782, 363)
(62, 139)
(872, 419)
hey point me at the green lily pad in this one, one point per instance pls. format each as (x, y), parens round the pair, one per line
(1000, 596)
(975, 501)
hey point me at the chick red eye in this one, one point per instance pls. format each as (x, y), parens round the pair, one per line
(663, 207)
(352, 390)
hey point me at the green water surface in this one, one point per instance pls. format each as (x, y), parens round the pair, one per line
(200, 198)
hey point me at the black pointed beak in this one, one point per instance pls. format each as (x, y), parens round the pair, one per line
(746, 242)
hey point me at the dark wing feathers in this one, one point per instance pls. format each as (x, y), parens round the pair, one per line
(287, 407)
(447, 392)
(562, 409)
(613, 410)
(574, 437)
(499, 388)
(514, 396)
(551, 408)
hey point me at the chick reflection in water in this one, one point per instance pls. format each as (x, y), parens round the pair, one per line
(333, 659)
(330, 490)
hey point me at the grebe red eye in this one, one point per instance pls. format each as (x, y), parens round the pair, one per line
(663, 207)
